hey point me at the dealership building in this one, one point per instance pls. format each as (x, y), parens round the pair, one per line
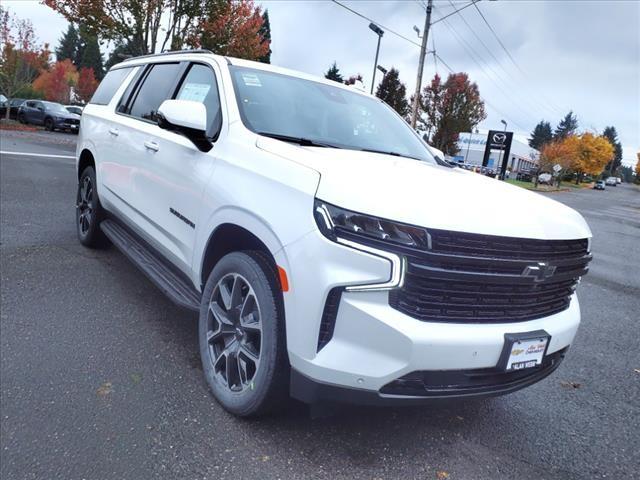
(472, 147)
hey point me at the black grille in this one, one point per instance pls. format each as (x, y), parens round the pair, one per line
(329, 315)
(471, 278)
(438, 383)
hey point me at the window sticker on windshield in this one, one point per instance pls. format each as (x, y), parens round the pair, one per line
(251, 80)
(195, 92)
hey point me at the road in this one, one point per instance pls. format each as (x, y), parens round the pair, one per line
(100, 374)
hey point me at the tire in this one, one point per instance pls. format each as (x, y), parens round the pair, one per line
(89, 212)
(22, 119)
(49, 125)
(245, 361)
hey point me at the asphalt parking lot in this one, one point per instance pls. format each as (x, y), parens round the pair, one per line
(100, 374)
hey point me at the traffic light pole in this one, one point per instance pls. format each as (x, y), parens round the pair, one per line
(423, 52)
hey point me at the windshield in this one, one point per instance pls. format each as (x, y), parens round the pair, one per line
(55, 107)
(313, 113)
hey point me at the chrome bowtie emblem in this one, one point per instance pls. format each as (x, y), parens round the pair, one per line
(540, 271)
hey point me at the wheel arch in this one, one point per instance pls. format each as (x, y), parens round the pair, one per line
(230, 237)
(85, 160)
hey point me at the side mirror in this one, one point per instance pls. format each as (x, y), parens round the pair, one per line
(40, 108)
(188, 118)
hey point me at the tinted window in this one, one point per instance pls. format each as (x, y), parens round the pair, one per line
(200, 86)
(110, 83)
(156, 87)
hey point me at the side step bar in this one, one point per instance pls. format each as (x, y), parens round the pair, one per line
(172, 284)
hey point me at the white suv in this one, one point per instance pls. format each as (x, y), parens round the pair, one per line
(329, 255)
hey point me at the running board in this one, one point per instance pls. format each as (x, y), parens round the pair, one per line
(172, 284)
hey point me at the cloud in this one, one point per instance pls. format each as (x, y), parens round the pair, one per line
(579, 55)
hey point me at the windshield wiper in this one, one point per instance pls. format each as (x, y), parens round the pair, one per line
(305, 142)
(394, 154)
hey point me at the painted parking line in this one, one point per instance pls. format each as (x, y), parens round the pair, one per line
(50, 155)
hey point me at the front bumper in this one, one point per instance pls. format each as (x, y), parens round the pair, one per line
(373, 345)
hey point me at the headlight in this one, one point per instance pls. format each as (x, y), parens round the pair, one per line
(373, 235)
(335, 222)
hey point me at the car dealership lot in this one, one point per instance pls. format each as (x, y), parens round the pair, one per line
(100, 373)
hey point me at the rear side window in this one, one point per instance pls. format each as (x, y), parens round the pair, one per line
(199, 85)
(157, 86)
(110, 83)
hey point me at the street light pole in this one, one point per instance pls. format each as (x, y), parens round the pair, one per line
(378, 32)
(499, 171)
(423, 51)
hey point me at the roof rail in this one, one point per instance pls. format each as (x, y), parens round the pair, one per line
(170, 52)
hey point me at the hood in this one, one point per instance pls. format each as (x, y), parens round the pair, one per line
(427, 195)
(66, 115)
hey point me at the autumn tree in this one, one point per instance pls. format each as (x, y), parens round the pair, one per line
(593, 153)
(541, 135)
(265, 35)
(56, 82)
(334, 73)
(230, 28)
(614, 163)
(450, 108)
(638, 169)
(233, 29)
(87, 84)
(567, 126)
(21, 56)
(393, 92)
(561, 152)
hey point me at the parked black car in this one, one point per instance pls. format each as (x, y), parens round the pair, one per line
(14, 105)
(50, 114)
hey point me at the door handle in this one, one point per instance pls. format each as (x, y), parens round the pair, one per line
(152, 146)
(114, 132)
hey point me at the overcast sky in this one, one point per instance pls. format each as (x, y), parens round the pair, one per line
(579, 55)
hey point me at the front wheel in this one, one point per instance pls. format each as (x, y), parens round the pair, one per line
(89, 212)
(48, 124)
(242, 338)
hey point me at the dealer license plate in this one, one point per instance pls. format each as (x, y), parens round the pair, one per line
(526, 353)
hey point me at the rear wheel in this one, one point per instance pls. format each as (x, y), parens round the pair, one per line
(242, 339)
(89, 212)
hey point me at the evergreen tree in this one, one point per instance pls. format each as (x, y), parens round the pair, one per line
(541, 135)
(611, 134)
(334, 74)
(567, 126)
(91, 56)
(392, 91)
(122, 51)
(67, 49)
(265, 33)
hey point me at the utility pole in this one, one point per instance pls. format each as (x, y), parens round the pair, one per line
(423, 52)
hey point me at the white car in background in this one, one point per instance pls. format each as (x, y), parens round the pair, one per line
(328, 255)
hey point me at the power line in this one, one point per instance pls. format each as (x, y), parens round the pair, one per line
(531, 104)
(473, 2)
(522, 72)
(497, 38)
(377, 23)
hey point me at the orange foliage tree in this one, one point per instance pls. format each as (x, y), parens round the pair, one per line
(233, 29)
(593, 154)
(87, 84)
(21, 57)
(55, 83)
(561, 152)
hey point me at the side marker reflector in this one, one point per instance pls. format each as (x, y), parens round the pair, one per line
(284, 282)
